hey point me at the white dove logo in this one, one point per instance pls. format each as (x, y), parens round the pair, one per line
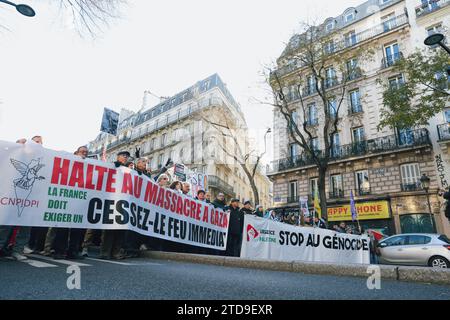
(23, 186)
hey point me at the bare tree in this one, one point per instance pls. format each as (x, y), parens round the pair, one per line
(317, 64)
(233, 143)
(91, 16)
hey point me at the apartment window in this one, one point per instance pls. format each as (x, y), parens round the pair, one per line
(329, 26)
(294, 119)
(405, 136)
(313, 186)
(311, 86)
(350, 39)
(314, 143)
(163, 139)
(410, 174)
(384, 1)
(392, 54)
(447, 115)
(160, 160)
(293, 150)
(352, 68)
(329, 47)
(152, 144)
(355, 101)
(336, 144)
(389, 22)
(292, 191)
(332, 108)
(358, 134)
(312, 114)
(362, 182)
(395, 82)
(330, 77)
(349, 17)
(336, 189)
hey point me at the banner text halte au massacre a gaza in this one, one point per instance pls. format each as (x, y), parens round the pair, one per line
(78, 174)
(77, 193)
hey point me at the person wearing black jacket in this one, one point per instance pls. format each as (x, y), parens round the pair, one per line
(247, 209)
(113, 240)
(236, 224)
(219, 202)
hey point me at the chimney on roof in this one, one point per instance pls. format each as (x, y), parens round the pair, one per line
(146, 99)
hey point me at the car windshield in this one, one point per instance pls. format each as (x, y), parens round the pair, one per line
(444, 239)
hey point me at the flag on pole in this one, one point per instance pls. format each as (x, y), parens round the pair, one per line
(317, 205)
(353, 207)
(110, 122)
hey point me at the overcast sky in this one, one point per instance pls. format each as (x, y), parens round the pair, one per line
(56, 84)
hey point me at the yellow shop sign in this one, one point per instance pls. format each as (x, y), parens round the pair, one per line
(366, 211)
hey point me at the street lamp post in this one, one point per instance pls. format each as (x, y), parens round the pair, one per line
(425, 182)
(21, 8)
(436, 38)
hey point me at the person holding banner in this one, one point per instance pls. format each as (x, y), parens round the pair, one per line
(141, 167)
(219, 202)
(236, 225)
(113, 240)
(247, 209)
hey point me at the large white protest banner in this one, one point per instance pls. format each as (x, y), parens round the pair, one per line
(42, 187)
(268, 239)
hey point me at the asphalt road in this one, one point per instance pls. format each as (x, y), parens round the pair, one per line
(44, 278)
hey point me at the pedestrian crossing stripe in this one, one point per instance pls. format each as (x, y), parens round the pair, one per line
(38, 264)
(61, 261)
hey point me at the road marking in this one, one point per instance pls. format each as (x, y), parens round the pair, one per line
(62, 261)
(113, 262)
(38, 264)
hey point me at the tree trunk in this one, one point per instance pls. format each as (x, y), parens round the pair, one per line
(252, 184)
(322, 193)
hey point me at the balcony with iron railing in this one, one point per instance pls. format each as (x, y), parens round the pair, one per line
(168, 120)
(391, 143)
(443, 131)
(336, 194)
(430, 6)
(354, 40)
(221, 185)
(389, 61)
(292, 199)
(405, 187)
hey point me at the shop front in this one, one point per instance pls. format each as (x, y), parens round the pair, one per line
(374, 215)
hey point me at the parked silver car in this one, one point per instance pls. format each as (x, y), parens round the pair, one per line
(431, 250)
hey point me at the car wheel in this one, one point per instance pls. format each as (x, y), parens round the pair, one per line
(439, 262)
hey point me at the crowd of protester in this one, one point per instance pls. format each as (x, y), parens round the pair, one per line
(65, 243)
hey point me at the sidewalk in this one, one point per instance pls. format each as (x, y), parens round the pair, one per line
(399, 273)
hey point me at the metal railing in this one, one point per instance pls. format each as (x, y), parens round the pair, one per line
(443, 131)
(218, 183)
(336, 194)
(411, 187)
(430, 6)
(389, 61)
(408, 139)
(292, 199)
(356, 39)
(168, 120)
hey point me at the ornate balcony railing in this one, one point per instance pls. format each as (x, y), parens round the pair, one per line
(168, 120)
(354, 40)
(430, 6)
(413, 138)
(336, 194)
(218, 183)
(292, 199)
(411, 187)
(444, 131)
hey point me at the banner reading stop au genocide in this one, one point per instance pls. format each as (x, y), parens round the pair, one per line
(41, 187)
(268, 239)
